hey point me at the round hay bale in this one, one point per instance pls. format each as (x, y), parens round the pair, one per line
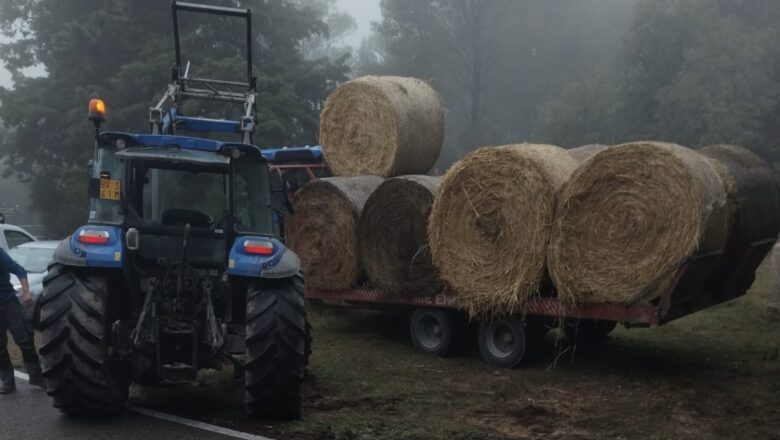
(753, 205)
(583, 153)
(383, 126)
(393, 240)
(322, 231)
(752, 191)
(629, 217)
(490, 224)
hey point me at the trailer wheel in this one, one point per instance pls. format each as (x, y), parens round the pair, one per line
(276, 347)
(435, 331)
(587, 330)
(503, 342)
(71, 318)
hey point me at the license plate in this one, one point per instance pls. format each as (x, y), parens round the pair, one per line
(109, 189)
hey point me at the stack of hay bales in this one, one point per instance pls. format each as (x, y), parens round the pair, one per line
(491, 221)
(629, 217)
(323, 229)
(372, 128)
(602, 223)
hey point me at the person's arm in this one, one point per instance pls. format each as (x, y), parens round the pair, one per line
(7, 263)
(26, 297)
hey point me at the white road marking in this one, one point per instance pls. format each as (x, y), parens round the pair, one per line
(196, 424)
(179, 420)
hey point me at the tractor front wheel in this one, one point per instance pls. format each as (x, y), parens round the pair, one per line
(71, 317)
(276, 348)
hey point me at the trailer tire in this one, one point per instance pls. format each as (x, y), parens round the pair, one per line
(71, 317)
(435, 331)
(503, 342)
(587, 331)
(276, 347)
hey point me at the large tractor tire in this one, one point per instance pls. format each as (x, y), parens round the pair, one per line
(276, 344)
(307, 346)
(71, 317)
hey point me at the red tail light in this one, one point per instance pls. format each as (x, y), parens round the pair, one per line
(258, 247)
(89, 236)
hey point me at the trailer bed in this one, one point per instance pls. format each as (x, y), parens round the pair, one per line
(698, 283)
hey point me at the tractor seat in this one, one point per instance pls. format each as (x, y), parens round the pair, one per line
(181, 217)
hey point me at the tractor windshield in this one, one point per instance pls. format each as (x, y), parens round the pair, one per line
(176, 196)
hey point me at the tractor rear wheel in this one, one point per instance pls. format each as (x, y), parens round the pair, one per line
(71, 317)
(276, 346)
(307, 346)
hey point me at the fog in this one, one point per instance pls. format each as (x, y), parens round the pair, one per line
(564, 72)
(364, 12)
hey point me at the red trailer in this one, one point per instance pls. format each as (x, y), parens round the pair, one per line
(698, 283)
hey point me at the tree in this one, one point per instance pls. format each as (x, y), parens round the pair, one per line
(339, 25)
(494, 62)
(471, 31)
(121, 50)
(695, 72)
(411, 37)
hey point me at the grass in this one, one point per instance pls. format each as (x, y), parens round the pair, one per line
(712, 375)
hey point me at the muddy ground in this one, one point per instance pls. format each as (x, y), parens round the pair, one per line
(713, 375)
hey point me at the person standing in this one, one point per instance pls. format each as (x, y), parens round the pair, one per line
(12, 321)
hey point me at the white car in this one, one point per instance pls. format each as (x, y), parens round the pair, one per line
(11, 236)
(35, 258)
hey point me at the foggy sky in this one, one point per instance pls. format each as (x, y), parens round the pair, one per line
(364, 12)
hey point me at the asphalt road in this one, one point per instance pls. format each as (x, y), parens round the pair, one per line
(28, 414)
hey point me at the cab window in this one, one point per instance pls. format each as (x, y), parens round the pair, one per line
(252, 197)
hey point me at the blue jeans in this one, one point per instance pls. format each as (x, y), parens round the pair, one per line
(12, 320)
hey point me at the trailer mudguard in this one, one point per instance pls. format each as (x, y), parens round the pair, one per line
(72, 252)
(281, 263)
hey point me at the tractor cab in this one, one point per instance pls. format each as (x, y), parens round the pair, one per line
(154, 186)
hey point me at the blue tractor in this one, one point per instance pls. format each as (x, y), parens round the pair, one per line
(180, 266)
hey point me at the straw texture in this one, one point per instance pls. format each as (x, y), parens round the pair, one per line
(583, 153)
(753, 207)
(392, 237)
(629, 217)
(490, 224)
(322, 231)
(383, 126)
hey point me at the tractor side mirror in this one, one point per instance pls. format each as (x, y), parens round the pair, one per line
(132, 239)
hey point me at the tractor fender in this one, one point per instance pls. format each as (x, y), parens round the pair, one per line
(289, 265)
(72, 252)
(281, 262)
(64, 255)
